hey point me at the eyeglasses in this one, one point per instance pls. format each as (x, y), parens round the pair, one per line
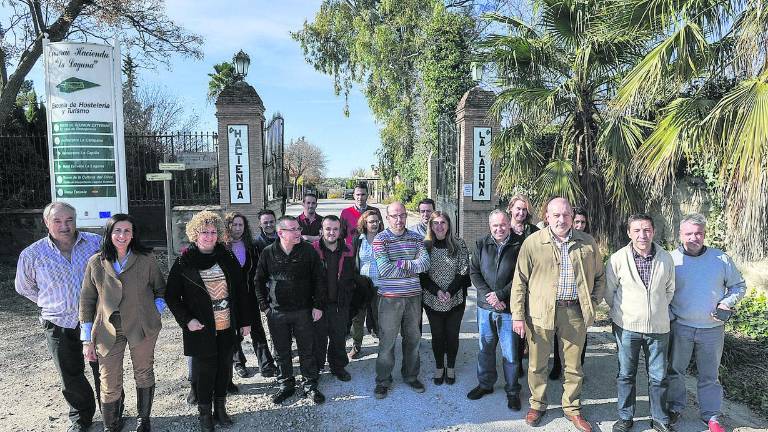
(290, 229)
(398, 216)
(208, 233)
(439, 222)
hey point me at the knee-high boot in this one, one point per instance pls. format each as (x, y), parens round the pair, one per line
(111, 413)
(206, 419)
(144, 398)
(220, 412)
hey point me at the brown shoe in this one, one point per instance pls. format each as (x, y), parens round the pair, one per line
(533, 418)
(580, 422)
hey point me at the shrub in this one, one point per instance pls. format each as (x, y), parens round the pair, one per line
(751, 317)
(413, 204)
(402, 193)
(334, 195)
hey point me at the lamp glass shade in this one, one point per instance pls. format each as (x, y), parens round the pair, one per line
(477, 71)
(242, 62)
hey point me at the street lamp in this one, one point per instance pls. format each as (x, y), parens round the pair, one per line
(477, 71)
(241, 62)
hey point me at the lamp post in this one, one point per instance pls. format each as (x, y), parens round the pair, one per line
(241, 61)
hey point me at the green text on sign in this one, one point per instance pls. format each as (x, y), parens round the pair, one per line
(86, 191)
(82, 127)
(83, 153)
(84, 166)
(82, 140)
(84, 179)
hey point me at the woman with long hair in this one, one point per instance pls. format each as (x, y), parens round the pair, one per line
(239, 240)
(120, 304)
(368, 225)
(444, 293)
(207, 295)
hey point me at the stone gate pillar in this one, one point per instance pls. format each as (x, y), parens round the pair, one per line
(476, 174)
(240, 114)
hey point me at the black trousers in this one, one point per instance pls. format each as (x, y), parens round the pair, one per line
(445, 328)
(284, 326)
(260, 347)
(330, 338)
(212, 373)
(67, 351)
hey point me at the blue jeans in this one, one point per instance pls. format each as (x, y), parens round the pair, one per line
(707, 343)
(495, 328)
(654, 346)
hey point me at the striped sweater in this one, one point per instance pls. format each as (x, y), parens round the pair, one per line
(400, 259)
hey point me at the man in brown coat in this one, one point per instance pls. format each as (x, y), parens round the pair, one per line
(559, 280)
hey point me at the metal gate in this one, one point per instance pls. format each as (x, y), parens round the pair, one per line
(447, 184)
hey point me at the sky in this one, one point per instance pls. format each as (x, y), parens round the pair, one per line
(278, 72)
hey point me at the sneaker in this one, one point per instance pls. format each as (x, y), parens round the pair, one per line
(513, 402)
(417, 386)
(354, 353)
(622, 425)
(478, 392)
(268, 373)
(380, 392)
(342, 375)
(661, 427)
(715, 426)
(241, 371)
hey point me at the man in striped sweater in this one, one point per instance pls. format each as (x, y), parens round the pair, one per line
(400, 257)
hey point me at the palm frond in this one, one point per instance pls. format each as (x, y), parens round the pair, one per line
(559, 178)
(618, 142)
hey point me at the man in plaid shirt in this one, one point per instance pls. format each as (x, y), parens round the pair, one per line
(640, 284)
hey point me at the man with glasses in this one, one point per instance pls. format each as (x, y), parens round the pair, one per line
(426, 208)
(290, 288)
(400, 257)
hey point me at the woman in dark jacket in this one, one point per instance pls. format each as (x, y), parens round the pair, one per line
(445, 293)
(207, 295)
(239, 240)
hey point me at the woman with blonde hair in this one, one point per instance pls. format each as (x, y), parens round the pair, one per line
(207, 294)
(368, 225)
(444, 293)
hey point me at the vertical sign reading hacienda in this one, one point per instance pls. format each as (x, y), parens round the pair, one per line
(85, 129)
(239, 167)
(481, 181)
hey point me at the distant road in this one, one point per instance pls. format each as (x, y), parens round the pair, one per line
(335, 206)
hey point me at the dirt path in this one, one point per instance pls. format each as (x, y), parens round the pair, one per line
(30, 399)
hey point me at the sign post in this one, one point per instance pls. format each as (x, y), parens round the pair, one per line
(166, 178)
(85, 129)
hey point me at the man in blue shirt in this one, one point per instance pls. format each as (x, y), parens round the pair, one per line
(50, 274)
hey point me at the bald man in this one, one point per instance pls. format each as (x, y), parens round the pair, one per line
(559, 280)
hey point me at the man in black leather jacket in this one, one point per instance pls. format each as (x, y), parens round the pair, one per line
(290, 288)
(492, 269)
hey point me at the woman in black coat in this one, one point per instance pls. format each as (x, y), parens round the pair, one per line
(206, 293)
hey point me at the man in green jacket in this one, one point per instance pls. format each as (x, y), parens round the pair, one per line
(559, 280)
(640, 283)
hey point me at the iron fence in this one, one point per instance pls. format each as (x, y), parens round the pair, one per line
(25, 177)
(274, 175)
(196, 185)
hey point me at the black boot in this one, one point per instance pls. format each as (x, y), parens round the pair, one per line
(192, 396)
(206, 419)
(144, 397)
(112, 416)
(220, 412)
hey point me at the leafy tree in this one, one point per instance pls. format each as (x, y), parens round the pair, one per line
(556, 74)
(142, 25)
(306, 161)
(705, 78)
(224, 75)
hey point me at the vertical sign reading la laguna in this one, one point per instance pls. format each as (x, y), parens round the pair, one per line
(85, 129)
(481, 180)
(239, 166)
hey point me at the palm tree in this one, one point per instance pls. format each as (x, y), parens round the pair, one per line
(706, 78)
(556, 76)
(223, 76)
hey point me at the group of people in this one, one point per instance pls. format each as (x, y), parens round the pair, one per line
(319, 280)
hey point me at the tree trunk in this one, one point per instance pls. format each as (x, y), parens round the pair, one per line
(56, 33)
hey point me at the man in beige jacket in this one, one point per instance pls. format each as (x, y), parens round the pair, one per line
(640, 283)
(558, 282)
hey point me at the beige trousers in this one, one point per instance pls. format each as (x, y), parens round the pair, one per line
(571, 333)
(111, 366)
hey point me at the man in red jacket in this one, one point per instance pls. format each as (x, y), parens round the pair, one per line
(349, 216)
